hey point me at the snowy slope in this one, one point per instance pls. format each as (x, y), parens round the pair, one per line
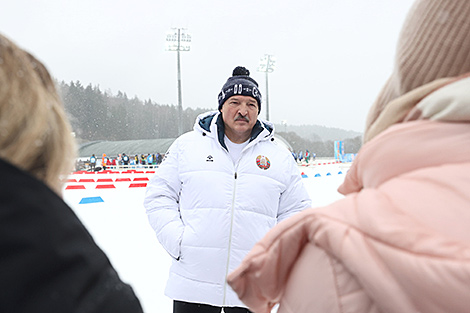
(119, 225)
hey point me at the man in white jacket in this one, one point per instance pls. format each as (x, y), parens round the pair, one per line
(219, 189)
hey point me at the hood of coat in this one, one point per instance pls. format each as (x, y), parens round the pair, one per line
(433, 132)
(211, 124)
(417, 62)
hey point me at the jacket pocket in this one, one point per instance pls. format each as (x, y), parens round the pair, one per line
(180, 250)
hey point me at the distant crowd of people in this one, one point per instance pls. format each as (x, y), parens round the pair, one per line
(123, 160)
(152, 160)
(301, 156)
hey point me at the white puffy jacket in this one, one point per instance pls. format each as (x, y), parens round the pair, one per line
(208, 212)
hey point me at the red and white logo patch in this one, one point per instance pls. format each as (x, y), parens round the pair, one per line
(263, 162)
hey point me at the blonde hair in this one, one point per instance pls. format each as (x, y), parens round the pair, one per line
(35, 134)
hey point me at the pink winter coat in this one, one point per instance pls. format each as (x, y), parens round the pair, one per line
(400, 239)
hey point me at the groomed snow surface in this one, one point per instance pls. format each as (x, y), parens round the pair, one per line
(115, 217)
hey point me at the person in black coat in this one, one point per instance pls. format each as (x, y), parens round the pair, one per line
(48, 260)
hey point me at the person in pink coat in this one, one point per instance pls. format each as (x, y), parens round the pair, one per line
(399, 241)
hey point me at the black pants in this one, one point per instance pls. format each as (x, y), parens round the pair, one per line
(187, 307)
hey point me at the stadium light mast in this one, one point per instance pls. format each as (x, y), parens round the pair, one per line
(284, 123)
(177, 39)
(267, 65)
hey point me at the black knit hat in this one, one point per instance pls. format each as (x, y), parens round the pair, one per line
(240, 84)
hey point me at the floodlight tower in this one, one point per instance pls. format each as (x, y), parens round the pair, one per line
(267, 65)
(177, 39)
(284, 123)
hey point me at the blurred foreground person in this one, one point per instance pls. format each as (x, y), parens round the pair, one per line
(399, 241)
(49, 262)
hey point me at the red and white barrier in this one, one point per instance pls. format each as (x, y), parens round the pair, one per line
(109, 179)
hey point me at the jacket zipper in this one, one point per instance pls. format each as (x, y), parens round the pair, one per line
(235, 176)
(230, 236)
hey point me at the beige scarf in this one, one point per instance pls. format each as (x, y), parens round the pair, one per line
(445, 99)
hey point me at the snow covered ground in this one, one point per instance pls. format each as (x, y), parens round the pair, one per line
(120, 227)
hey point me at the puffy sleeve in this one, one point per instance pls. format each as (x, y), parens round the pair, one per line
(162, 203)
(260, 279)
(295, 198)
(296, 264)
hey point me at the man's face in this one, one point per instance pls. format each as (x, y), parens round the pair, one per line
(240, 114)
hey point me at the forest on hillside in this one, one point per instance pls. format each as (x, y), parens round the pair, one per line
(97, 115)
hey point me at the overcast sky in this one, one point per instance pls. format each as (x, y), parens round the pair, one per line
(332, 57)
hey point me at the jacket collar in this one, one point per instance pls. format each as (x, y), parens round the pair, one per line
(212, 124)
(12, 177)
